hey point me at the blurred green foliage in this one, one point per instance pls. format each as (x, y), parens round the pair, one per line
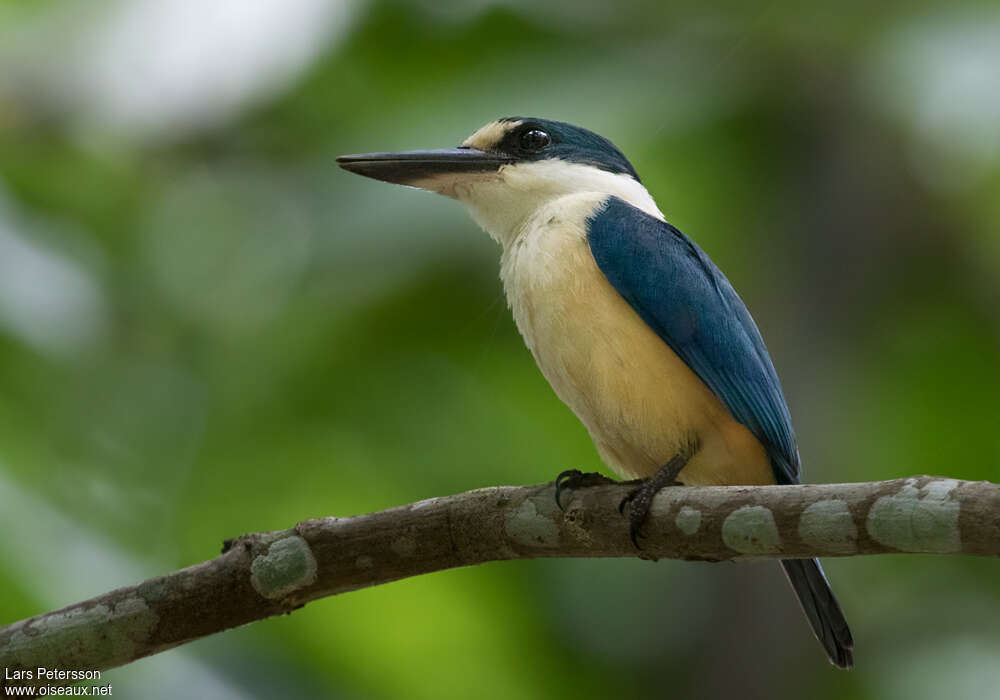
(206, 328)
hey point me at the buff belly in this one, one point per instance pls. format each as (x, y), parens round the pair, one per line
(639, 401)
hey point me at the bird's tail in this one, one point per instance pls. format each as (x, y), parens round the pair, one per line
(822, 609)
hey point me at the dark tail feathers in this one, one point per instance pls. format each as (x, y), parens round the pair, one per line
(822, 609)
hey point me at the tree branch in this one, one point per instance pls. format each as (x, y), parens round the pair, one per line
(265, 574)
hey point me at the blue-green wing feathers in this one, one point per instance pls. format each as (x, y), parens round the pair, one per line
(676, 289)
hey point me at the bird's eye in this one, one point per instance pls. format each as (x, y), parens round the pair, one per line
(535, 140)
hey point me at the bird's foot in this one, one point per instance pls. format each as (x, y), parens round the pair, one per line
(640, 498)
(575, 479)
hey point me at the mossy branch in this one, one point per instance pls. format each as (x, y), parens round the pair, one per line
(265, 574)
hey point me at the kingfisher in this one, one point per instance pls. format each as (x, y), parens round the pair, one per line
(631, 323)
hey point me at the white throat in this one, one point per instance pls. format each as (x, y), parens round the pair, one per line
(501, 203)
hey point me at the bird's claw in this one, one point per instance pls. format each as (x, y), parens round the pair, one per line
(640, 499)
(629, 497)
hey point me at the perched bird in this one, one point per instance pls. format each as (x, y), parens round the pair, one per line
(632, 324)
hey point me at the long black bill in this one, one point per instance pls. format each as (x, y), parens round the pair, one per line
(406, 167)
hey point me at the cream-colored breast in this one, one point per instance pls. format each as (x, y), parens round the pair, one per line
(639, 401)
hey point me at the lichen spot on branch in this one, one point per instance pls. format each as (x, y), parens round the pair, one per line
(287, 566)
(828, 526)
(688, 520)
(532, 527)
(918, 519)
(116, 629)
(751, 530)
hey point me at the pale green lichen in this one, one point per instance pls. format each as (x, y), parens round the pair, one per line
(828, 526)
(751, 530)
(528, 526)
(288, 565)
(918, 519)
(75, 638)
(688, 520)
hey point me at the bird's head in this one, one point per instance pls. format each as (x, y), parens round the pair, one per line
(509, 168)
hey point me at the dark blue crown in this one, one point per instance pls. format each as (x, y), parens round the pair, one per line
(570, 143)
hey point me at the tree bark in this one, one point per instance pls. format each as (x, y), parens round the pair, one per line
(265, 574)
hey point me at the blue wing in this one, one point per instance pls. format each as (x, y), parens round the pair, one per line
(676, 289)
